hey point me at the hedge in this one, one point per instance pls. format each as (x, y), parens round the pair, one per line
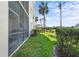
(68, 40)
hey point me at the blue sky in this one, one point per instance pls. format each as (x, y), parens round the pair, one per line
(70, 13)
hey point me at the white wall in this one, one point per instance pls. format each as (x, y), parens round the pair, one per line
(31, 14)
(3, 29)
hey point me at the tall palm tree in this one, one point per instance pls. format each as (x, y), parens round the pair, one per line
(43, 9)
(60, 7)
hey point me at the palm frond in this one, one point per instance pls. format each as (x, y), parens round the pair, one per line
(42, 3)
(40, 6)
(43, 8)
(59, 5)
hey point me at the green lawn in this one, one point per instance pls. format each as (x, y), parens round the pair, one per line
(40, 45)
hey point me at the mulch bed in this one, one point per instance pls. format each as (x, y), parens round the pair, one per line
(58, 53)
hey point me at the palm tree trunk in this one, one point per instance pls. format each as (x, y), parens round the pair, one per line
(61, 16)
(44, 23)
(41, 24)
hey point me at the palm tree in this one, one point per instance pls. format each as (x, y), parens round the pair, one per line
(43, 9)
(60, 7)
(36, 19)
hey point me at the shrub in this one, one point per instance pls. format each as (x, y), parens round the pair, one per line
(34, 32)
(68, 40)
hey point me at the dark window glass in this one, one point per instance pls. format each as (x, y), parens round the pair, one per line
(14, 5)
(18, 25)
(26, 5)
(13, 31)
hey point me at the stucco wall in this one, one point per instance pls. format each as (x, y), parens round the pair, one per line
(31, 16)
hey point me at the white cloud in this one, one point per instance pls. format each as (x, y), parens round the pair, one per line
(53, 4)
(71, 19)
(71, 12)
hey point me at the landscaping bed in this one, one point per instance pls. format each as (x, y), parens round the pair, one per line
(68, 42)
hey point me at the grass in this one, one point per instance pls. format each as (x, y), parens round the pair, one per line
(38, 46)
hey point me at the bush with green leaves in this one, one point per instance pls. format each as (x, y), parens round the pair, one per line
(68, 40)
(34, 32)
